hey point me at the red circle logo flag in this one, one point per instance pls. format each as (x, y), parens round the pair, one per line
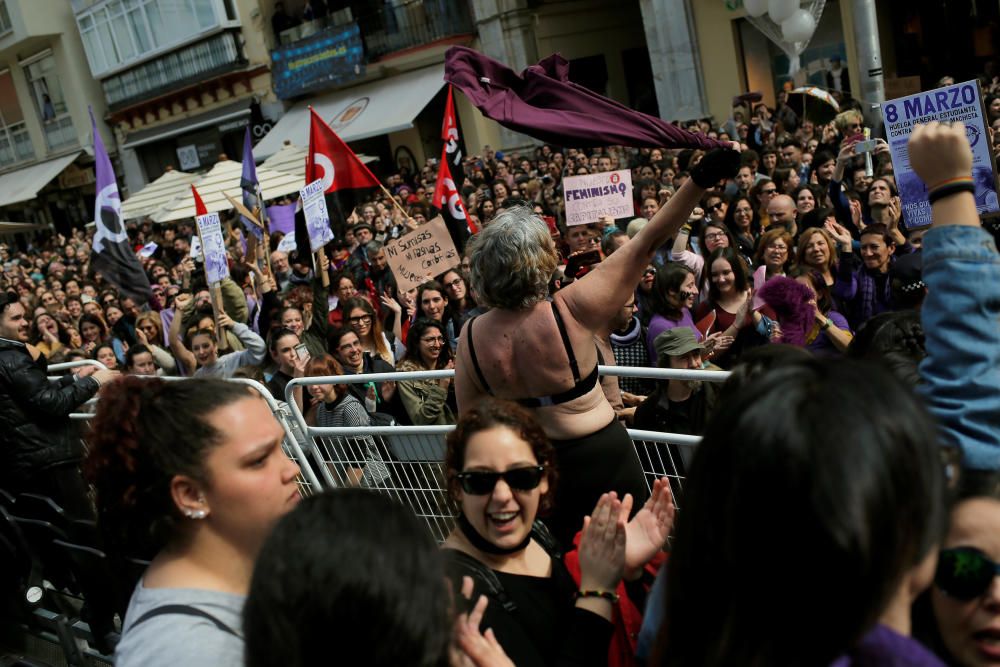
(330, 159)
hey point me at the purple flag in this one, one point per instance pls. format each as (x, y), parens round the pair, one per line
(249, 185)
(282, 218)
(543, 103)
(112, 255)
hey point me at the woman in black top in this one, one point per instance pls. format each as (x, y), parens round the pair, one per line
(501, 473)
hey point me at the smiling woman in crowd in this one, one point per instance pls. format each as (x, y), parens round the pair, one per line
(427, 401)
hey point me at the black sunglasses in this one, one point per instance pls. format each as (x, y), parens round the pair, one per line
(965, 573)
(482, 482)
(716, 206)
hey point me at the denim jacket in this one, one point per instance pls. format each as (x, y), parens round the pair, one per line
(961, 319)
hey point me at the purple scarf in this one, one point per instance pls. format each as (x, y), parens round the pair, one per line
(789, 300)
(543, 103)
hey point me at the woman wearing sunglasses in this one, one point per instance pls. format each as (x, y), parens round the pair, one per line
(501, 474)
(965, 598)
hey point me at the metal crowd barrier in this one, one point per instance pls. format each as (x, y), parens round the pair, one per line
(292, 444)
(406, 462)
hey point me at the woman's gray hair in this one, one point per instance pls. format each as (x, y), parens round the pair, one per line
(512, 260)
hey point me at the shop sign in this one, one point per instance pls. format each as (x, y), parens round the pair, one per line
(330, 57)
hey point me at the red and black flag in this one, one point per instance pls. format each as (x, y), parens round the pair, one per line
(343, 173)
(451, 176)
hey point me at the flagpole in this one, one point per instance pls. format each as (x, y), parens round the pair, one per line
(406, 216)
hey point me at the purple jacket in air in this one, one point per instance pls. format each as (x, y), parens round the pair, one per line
(543, 103)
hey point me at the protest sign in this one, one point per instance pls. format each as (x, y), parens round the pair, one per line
(592, 196)
(317, 217)
(960, 102)
(426, 251)
(148, 250)
(213, 247)
(287, 244)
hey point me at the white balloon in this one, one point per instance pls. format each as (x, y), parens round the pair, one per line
(799, 27)
(755, 8)
(779, 10)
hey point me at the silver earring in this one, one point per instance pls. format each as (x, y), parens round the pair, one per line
(195, 514)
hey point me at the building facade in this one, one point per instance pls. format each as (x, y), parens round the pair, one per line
(46, 168)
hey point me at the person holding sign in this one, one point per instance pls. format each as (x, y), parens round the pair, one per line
(542, 354)
(203, 359)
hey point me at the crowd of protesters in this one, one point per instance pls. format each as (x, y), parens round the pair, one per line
(784, 261)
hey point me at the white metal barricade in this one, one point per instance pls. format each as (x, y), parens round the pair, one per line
(406, 462)
(293, 443)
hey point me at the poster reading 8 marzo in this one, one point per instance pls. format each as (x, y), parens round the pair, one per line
(961, 102)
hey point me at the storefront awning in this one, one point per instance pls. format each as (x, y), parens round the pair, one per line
(7, 228)
(223, 179)
(158, 194)
(24, 184)
(169, 130)
(375, 108)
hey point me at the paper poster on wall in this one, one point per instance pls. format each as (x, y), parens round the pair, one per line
(213, 248)
(960, 102)
(592, 196)
(317, 217)
(426, 251)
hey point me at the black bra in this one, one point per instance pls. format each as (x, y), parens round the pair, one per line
(579, 388)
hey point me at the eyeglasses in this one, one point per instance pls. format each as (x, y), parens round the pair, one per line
(769, 191)
(649, 272)
(965, 573)
(482, 482)
(716, 206)
(429, 340)
(454, 283)
(363, 319)
(715, 236)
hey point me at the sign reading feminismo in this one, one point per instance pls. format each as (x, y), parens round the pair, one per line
(960, 102)
(331, 56)
(592, 196)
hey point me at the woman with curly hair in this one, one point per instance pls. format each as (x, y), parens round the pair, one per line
(192, 475)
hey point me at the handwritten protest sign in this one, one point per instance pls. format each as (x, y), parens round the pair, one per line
(317, 217)
(426, 251)
(213, 247)
(961, 102)
(594, 195)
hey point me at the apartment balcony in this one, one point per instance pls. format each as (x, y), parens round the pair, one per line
(334, 50)
(202, 61)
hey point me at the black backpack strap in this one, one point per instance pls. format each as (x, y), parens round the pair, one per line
(185, 610)
(487, 578)
(541, 534)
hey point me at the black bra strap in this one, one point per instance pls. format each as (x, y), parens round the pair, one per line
(565, 339)
(185, 610)
(475, 360)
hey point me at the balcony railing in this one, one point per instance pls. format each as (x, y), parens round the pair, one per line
(200, 61)
(59, 132)
(405, 24)
(15, 145)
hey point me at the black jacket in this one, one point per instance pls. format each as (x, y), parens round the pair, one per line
(35, 429)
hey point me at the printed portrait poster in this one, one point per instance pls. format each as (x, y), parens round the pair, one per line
(426, 251)
(591, 196)
(213, 248)
(960, 102)
(317, 216)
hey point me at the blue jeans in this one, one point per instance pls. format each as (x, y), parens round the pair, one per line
(961, 319)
